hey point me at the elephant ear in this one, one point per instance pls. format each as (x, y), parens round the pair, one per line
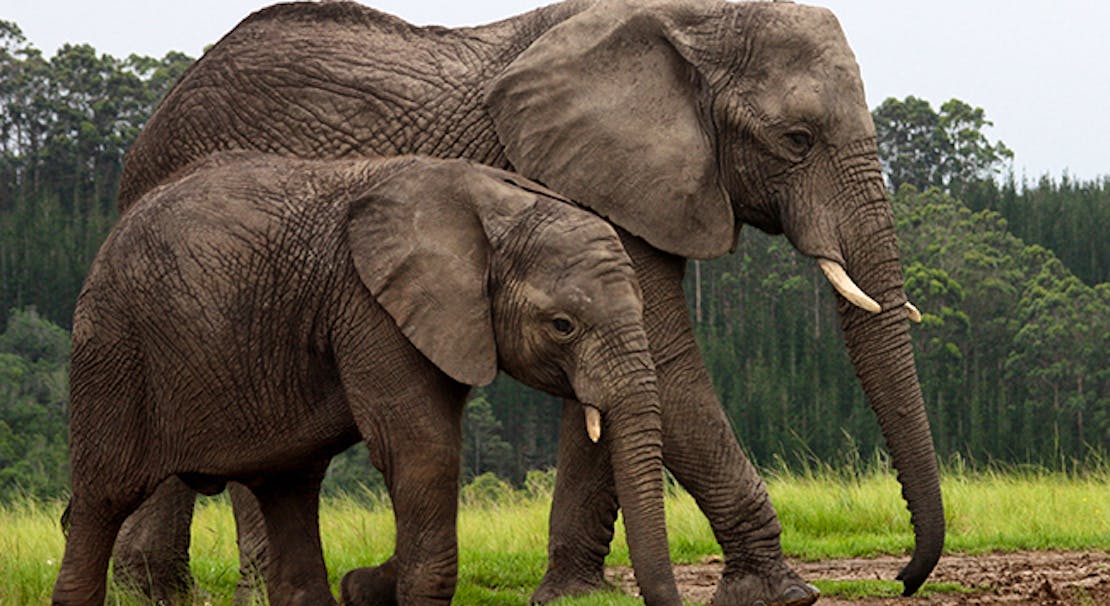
(421, 243)
(604, 109)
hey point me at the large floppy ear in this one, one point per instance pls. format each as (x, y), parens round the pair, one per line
(605, 110)
(421, 242)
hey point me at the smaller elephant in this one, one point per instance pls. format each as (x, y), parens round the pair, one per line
(258, 315)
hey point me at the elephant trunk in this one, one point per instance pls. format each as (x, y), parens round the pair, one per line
(633, 431)
(878, 343)
(881, 353)
(636, 448)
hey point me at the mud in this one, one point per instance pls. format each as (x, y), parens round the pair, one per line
(1034, 578)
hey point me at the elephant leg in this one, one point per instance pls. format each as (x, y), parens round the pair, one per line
(94, 519)
(289, 504)
(583, 512)
(250, 535)
(151, 555)
(699, 448)
(420, 462)
(706, 459)
(423, 482)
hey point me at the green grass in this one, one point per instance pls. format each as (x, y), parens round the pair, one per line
(852, 590)
(502, 534)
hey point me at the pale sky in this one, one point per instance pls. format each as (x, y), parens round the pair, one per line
(1041, 70)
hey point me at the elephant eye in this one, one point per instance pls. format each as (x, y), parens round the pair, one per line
(799, 140)
(562, 325)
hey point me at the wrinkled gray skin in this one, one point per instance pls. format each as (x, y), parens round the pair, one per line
(259, 315)
(680, 121)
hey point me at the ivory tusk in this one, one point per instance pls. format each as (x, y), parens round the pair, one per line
(846, 287)
(914, 313)
(593, 423)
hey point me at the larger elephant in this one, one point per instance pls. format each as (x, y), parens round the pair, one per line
(679, 121)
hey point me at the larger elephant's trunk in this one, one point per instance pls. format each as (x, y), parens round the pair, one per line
(861, 259)
(632, 428)
(880, 349)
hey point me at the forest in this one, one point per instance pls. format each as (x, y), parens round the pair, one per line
(1012, 276)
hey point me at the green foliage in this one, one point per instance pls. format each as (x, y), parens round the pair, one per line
(1069, 217)
(1014, 346)
(1012, 352)
(947, 149)
(911, 142)
(351, 474)
(950, 150)
(484, 451)
(34, 355)
(35, 339)
(65, 123)
(529, 425)
(486, 489)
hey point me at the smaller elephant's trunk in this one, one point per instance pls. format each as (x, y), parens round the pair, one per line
(635, 438)
(627, 398)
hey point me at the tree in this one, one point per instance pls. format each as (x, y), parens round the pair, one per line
(971, 157)
(33, 407)
(1061, 349)
(350, 472)
(944, 332)
(65, 123)
(1066, 215)
(1027, 347)
(921, 147)
(483, 448)
(911, 142)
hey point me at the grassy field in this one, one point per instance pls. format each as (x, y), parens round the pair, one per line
(502, 533)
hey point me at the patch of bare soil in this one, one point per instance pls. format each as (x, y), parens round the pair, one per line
(1035, 578)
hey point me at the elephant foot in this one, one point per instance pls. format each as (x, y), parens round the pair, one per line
(555, 586)
(781, 588)
(376, 586)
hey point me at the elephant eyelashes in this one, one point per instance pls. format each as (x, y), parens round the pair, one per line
(799, 141)
(563, 326)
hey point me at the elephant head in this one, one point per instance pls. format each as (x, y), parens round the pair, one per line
(681, 121)
(492, 271)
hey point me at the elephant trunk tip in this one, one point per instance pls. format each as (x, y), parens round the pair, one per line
(913, 575)
(912, 579)
(658, 592)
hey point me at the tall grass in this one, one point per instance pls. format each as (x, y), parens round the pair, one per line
(992, 510)
(826, 512)
(31, 545)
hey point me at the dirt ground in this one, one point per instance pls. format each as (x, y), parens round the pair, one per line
(1035, 578)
